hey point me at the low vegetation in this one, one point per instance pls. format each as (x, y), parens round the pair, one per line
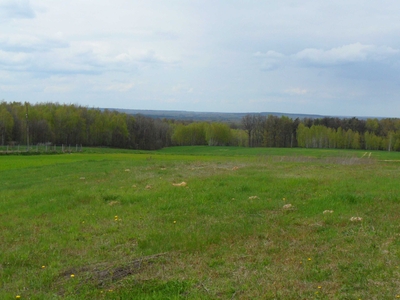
(200, 223)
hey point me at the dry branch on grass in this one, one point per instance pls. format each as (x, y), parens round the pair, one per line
(112, 203)
(103, 273)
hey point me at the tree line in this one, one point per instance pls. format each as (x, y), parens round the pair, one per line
(257, 130)
(53, 123)
(327, 132)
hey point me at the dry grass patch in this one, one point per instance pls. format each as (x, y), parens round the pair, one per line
(182, 184)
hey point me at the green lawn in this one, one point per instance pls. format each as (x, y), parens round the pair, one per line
(247, 224)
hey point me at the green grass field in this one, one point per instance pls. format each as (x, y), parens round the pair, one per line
(248, 224)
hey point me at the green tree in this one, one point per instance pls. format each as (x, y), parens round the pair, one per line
(355, 143)
(239, 138)
(372, 125)
(190, 135)
(302, 135)
(218, 134)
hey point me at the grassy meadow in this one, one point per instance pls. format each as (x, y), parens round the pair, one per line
(200, 223)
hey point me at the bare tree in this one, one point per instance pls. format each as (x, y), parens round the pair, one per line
(249, 125)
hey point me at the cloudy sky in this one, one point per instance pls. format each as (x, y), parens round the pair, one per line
(331, 57)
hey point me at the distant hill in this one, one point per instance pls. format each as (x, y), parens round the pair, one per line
(206, 116)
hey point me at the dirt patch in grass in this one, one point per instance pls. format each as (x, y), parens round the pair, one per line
(102, 275)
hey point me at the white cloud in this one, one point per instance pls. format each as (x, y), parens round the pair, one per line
(346, 54)
(16, 9)
(120, 87)
(169, 100)
(351, 53)
(270, 60)
(9, 88)
(57, 89)
(296, 91)
(30, 43)
(52, 55)
(10, 59)
(182, 88)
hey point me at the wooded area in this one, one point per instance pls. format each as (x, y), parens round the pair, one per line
(56, 124)
(326, 132)
(70, 124)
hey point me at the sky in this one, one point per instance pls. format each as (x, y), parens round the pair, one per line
(336, 58)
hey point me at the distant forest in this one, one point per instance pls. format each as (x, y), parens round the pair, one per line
(56, 124)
